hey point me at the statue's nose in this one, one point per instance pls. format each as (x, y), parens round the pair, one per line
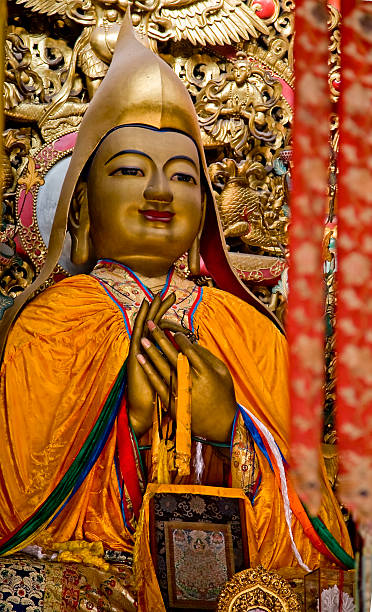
(158, 189)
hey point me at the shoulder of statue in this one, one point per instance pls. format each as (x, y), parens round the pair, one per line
(235, 311)
(64, 305)
(63, 291)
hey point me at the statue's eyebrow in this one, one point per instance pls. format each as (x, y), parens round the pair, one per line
(185, 157)
(128, 151)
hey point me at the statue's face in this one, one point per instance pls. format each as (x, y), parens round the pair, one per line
(144, 197)
(240, 74)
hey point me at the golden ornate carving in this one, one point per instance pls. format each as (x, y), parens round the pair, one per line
(200, 22)
(3, 158)
(330, 456)
(15, 272)
(275, 49)
(258, 589)
(275, 57)
(275, 299)
(251, 204)
(216, 23)
(329, 450)
(17, 146)
(195, 70)
(14, 277)
(244, 108)
(32, 177)
(40, 81)
(334, 77)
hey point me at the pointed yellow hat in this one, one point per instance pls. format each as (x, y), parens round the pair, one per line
(138, 89)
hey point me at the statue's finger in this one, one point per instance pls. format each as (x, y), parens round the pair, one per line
(154, 307)
(155, 379)
(163, 343)
(159, 362)
(164, 306)
(173, 326)
(139, 324)
(191, 352)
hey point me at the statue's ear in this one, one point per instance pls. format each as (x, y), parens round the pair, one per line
(79, 226)
(204, 210)
(194, 251)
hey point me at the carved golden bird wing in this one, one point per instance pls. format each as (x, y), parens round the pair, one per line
(50, 7)
(214, 22)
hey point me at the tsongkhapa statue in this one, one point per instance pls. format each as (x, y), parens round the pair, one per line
(105, 373)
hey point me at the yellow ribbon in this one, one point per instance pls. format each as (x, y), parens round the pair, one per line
(183, 416)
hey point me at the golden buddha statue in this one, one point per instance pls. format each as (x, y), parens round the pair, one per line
(87, 360)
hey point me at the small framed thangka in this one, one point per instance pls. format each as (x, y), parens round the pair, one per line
(200, 561)
(198, 541)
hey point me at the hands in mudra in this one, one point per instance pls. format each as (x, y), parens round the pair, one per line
(152, 365)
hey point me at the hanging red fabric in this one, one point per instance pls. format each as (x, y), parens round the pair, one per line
(128, 470)
(305, 322)
(354, 312)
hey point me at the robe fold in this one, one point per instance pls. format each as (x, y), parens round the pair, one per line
(62, 358)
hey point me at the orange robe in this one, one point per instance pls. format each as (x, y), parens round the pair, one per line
(63, 356)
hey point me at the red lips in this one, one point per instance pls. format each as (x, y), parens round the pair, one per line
(157, 215)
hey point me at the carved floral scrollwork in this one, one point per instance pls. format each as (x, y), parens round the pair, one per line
(36, 67)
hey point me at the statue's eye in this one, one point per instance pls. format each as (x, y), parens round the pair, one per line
(127, 171)
(185, 178)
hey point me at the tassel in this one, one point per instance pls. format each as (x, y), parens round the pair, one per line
(198, 462)
(183, 416)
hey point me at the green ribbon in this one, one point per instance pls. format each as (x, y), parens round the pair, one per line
(331, 542)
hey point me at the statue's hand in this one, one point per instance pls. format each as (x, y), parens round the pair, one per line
(141, 393)
(213, 397)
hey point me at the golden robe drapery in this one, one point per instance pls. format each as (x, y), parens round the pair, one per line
(63, 356)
